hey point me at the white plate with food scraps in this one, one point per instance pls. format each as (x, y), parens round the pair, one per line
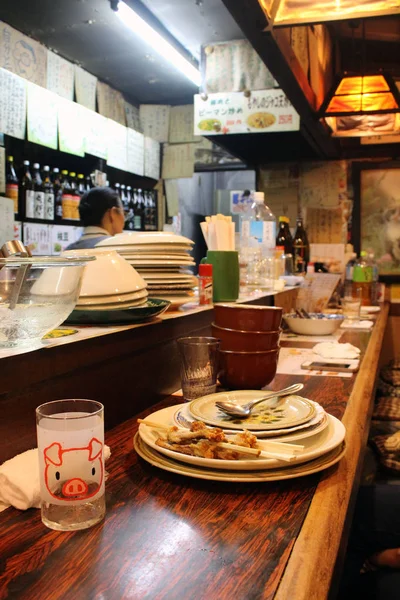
(370, 309)
(183, 418)
(313, 447)
(290, 411)
(168, 464)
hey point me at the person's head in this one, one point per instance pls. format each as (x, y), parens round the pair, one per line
(102, 207)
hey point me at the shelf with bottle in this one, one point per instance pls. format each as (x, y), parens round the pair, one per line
(140, 207)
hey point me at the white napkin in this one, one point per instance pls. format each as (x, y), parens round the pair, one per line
(357, 324)
(19, 480)
(336, 350)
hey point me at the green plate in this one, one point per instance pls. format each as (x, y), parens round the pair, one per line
(117, 316)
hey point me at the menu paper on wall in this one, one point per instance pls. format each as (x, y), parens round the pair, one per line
(22, 55)
(151, 158)
(117, 145)
(178, 161)
(172, 195)
(85, 88)
(38, 238)
(12, 104)
(60, 76)
(181, 123)
(320, 184)
(71, 127)
(6, 220)
(154, 119)
(111, 103)
(96, 133)
(42, 116)
(325, 226)
(234, 66)
(2, 171)
(135, 152)
(62, 236)
(132, 117)
(263, 111)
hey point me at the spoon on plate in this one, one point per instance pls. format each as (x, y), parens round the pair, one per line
(235, 410)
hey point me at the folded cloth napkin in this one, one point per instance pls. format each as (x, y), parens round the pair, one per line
(19, 480)
(347, 324)
(336, 350)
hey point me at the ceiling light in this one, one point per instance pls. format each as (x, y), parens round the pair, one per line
(149, 35)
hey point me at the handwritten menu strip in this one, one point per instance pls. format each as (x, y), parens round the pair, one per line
(263, 111)
(178, 161)
(60, 76)
(6, 220)
(299, 43)
(235, 66)
(172, 195)
(96, 133)
(117, 145)
(38, 238)
(135, 152)
(325, 226)
(71, 127)
(42, 116)
(85, 88)
(154, 119)
(132, 117)
(111, 103)
(12, 104)
(151, 158)
(22, 55)
(320, 185)
(181, 124)
(2, 171)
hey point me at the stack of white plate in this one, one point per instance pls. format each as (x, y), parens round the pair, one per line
(109, 282)
(296, 420)
(163, 260)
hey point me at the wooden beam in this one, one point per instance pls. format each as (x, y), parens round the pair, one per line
(278, 56)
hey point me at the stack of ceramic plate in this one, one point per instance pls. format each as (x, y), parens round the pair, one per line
(319, 438)
(163, 260)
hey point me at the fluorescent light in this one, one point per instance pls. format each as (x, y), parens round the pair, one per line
(158, 43)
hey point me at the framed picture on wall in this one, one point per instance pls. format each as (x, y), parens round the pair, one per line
(376, 214)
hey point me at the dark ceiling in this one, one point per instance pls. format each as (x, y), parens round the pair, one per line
(88, 32)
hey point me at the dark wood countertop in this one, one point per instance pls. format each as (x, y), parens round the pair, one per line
(167, 537)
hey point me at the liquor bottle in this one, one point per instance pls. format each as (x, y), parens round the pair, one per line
(66, 196)
(88, 183)
(137, 204)
(26, 193)
(284, 237)
(129, 221)
(146, 211)
(124, 199)
(153, 196)
(259, 223)
(301, 248)
(81, 184)
(12, 183)
(57, 186)
(75, 197)
(38, 191)
(117, 188)
(48, 194)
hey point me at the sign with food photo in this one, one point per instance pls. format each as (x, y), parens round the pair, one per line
(262, 111)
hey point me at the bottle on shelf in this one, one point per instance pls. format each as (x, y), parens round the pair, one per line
(75, 197)
(12, 184)
(66, 195)
(124, 199)
(301, 248)
(363, 279)
(138, 211)
(130, 216)
(48, 187)
(117, 188)
(26, 193)
(81, 184)
(259, 223)
(38, 192)
(88, 183)
(57, 186)
(284, 237)
(147, 207)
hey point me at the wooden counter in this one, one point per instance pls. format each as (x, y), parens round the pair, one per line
(167, 537)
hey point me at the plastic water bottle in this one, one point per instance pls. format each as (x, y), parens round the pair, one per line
(258, 223)
(363, 278)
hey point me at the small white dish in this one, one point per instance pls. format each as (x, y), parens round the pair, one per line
(370, 309)
(115, 299)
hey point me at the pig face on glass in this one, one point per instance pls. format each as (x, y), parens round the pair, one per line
(74, 473)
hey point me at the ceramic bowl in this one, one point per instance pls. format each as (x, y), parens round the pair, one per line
(108, 274)
(247, 370)
(318, 324)
(245, 317)
(144, 237)
(232, 339)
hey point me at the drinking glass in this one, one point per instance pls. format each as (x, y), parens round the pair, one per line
(70, 436)
(199, 366)
(351, 303)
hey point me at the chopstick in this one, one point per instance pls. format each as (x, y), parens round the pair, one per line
(256, 452)
(152, 424)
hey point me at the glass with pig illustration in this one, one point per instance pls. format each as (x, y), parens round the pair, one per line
(71, 463)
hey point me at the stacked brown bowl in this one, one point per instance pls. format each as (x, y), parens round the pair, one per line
(249, 347)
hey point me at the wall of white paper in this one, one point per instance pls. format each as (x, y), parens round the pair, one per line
(42, 116)
(6, 220)
(96, 133)
(151, 158)
(85, 88)
(60, 76)
(178, 161)
(22, 55)
(181, 124)
(2, 171)
(132, 117)
(12, 104)
(135, 152)
(38, 238)
(71, 127)
(154, 119)
(117, 145)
